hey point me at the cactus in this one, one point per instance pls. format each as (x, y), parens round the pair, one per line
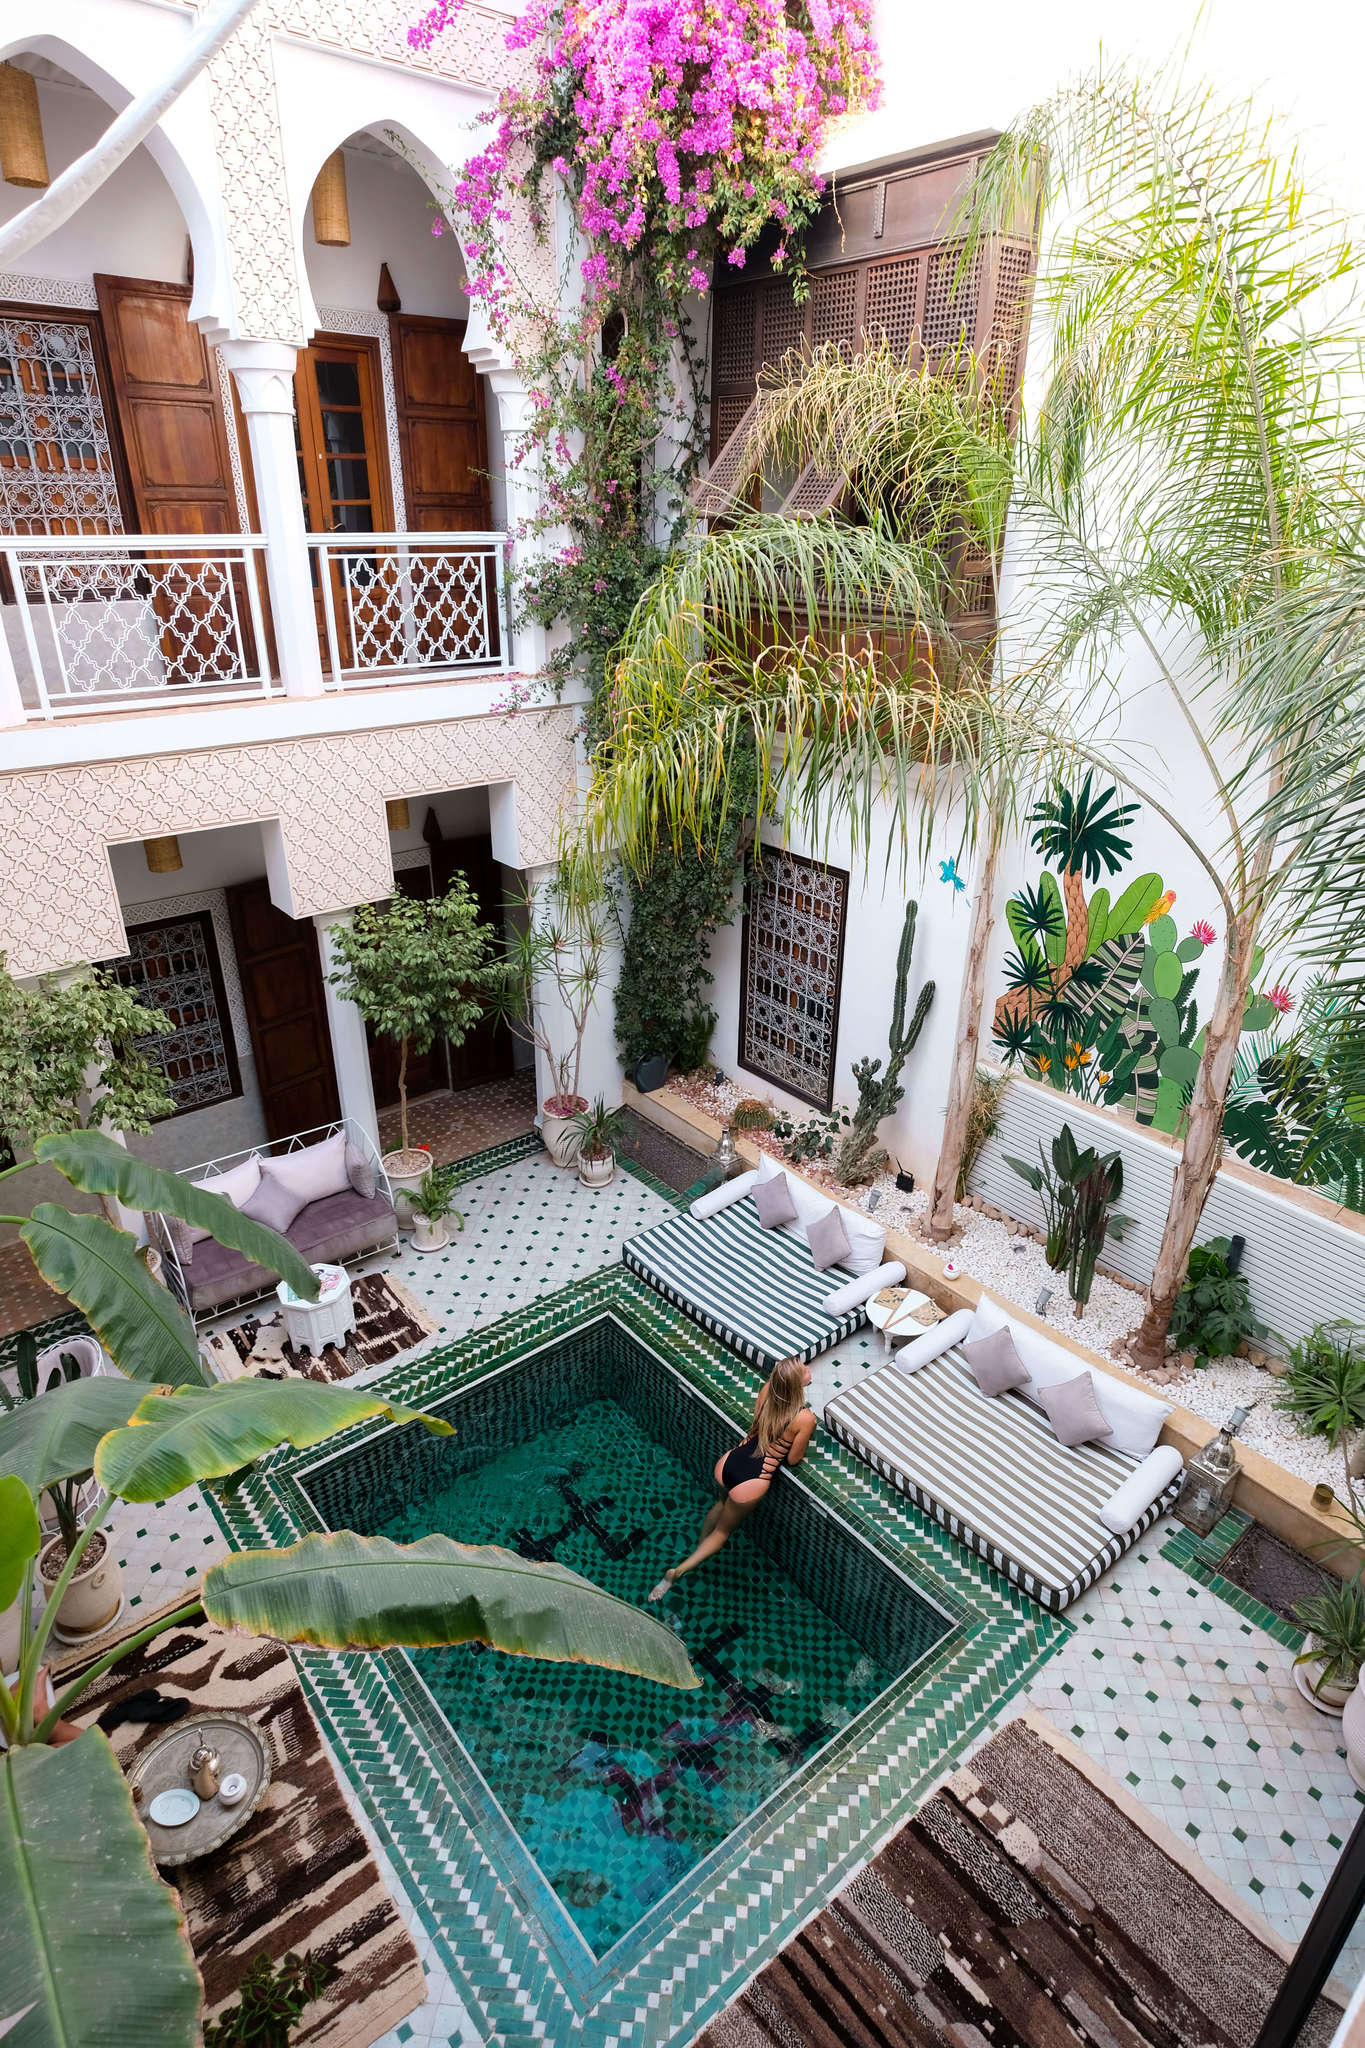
(750, 1115)
(879, 1094)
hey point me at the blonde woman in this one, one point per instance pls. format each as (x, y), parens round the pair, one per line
(783, 1427)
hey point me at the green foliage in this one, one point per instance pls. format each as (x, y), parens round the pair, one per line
(983, 1121)
(1335, 1622)
(1324, 1387)
(1077, 1188)
(75, 1056)
(815, 1137)
(414, 969)
(879, 1094)
(434, 1195)
(271, 2000)
(600, 1130)
(1213, 1315)
(1082, 830)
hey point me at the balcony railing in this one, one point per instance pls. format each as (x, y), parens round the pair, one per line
(102, 622)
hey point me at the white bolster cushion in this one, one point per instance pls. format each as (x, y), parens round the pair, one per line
(1129, 1503)
(716, 1199)
(920, 1350)
(855, 1292)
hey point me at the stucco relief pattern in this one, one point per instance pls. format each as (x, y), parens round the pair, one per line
(59, 904)
(75, 293)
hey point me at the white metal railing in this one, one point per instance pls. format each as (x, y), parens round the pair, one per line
(409, 603)
(95, 621)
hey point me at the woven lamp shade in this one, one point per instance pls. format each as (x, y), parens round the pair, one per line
(397, 812)
(331, 214)
(163, 855)
(23, 160)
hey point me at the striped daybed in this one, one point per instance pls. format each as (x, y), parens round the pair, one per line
(991, 1471)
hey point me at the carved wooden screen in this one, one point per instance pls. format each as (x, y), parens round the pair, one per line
(173, 966)
(793, 956)
(57, 467)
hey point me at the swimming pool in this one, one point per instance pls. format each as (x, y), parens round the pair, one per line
(594, 1452)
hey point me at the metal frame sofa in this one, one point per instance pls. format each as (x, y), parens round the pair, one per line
(758, 1289)
(990, 1469)
(355, 1218)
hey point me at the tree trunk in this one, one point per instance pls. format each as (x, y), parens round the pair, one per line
(403, 1093)
(962, 1078)
(1077, 921)
(1203, 1146)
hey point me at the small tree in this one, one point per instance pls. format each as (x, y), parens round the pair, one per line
(415, 970)
(561, 939)
(72, 1058)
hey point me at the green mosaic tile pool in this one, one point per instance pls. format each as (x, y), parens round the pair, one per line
(594, 1454)
(520, 1962)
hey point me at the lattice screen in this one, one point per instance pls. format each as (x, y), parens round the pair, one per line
(783, 320)
(833, 297)
(893, 301)
(1013, 289)
(950, 298)
(173, 966)
(794, 920)
(733, 351)
(56, 465)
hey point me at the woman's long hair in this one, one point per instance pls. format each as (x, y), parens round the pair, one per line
(781, 1401)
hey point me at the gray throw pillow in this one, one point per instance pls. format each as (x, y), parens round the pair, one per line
(274, 1203)
(184, 1238)
(772, 1199)
(360, 1174)
(1073, 1411)
(828, 1240)
(995, 1363)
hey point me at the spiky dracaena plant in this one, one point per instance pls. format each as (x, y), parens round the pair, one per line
(879, 1094)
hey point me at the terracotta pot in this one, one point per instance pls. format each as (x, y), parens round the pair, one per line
(598, 1171)
(1328, 1699)
(429, 1234)
(405, 1171)
(558, 1134)
(94, 1598)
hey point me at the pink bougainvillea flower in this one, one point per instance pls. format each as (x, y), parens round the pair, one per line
(1280, 999)
(1202, 930)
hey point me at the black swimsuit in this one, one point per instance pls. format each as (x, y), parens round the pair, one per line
(746, 1461)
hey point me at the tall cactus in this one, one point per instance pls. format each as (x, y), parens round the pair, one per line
(879, 1094)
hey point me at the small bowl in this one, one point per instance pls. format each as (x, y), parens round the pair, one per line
(173, 1808)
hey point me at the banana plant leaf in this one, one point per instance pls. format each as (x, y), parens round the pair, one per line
(20, 1537)
(173, 1440)
(94, 1952)
(93, 1162)
(56, 1437)
(141, 1326)
(363, 1592)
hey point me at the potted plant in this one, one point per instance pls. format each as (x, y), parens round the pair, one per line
(93, 1599)
(415, 969)
(598, 1132)
(1335, 1621)
(430, 1202)
(543, 983)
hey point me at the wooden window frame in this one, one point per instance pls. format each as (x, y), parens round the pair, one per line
(366, 348)
(824, 1102)
(19, 309)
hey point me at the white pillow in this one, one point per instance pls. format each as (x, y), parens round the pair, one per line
(1147, 1482)
(237, 1185)
(716, 1199)
(313, 1173)
(1135, 1419)
(854, 1293)
(937, 1338)
(866, 1239)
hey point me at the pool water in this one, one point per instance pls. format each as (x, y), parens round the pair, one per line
(596, 1455)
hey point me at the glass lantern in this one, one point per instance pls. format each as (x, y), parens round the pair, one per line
(1210, 1479)
(725, 1158)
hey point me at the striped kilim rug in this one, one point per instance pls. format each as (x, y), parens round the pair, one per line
(1029, 1904)
(300, 1874)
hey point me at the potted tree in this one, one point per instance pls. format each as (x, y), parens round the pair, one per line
(598, 1131)
(544, 981)
(416, 972)
(431, 1203)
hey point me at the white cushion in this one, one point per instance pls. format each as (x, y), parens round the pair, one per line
(866, 1239)
(1135, 1419)
(237, 1185)
(314, 1172)
(854, 1293)
(716, 1199)
(920, 1350)
(1129, 1503)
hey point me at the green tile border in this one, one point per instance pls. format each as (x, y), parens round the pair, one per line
(514, 1957)
(1201, 1556)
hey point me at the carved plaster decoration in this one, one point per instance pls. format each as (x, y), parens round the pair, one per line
(59, 905)
(233, 440)
(353, 320)
(77, 294)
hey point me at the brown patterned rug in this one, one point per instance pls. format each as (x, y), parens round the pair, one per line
(300, 1874)
(1027, 1905)
(388, 1322)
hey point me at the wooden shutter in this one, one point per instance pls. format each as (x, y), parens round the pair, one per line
(441, 426)
(169, 408)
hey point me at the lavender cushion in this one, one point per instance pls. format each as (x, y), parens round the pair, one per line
(1073, 1411)
(360, 1174)
(313, 1172)
(828, 1240)
(772, 1199)
(995, 1363)
(237, 1185)
(274, 1203)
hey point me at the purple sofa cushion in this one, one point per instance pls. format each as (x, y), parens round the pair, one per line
(329, 1232)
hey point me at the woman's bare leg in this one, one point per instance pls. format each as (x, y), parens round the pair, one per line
(717, 1530)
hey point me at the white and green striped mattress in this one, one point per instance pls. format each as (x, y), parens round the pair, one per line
(755, 1289)
(990, 1470)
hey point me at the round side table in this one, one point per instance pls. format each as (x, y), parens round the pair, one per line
(896, 1319)
(313, 1325)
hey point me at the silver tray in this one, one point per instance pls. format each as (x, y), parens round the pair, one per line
(165, 1763)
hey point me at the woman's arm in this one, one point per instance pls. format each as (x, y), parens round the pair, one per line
(804, 1428)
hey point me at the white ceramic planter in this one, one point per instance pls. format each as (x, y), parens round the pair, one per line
(1353, 1734)
(94, 1599)
(430, 1235)
(559, 1136)
(1331, 1699)
(405, 1171)
(598, 1172)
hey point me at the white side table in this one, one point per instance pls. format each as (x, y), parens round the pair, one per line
(313, 1325)
(896, 1320)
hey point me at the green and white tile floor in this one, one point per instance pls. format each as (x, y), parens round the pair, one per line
(1176, 1690)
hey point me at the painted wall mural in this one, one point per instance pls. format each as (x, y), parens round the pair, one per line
(1100, 1001)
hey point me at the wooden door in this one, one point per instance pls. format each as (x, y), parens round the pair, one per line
(345, 485)
(441, 426)
(486, 1054)
(426, 1071)
(281, 975)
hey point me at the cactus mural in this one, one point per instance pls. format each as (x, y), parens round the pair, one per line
(879, 1094)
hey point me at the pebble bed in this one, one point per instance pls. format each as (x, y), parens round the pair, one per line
(1011, 1263)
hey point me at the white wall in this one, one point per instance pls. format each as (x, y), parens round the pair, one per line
(390, 223)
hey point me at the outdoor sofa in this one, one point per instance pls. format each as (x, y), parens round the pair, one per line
(324, 1190)
(990, 1468)
(758, 1288)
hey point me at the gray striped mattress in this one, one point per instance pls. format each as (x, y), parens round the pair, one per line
(990, 1470)
(755, 1289)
